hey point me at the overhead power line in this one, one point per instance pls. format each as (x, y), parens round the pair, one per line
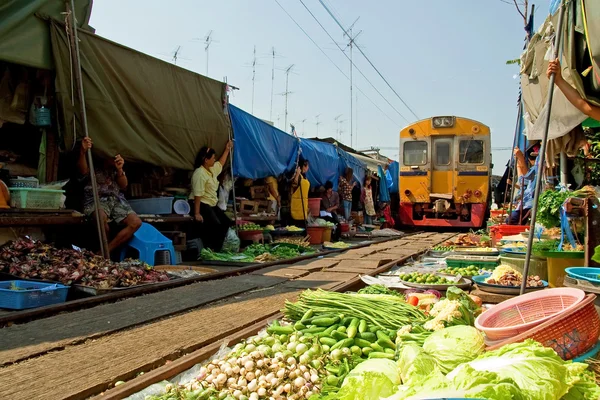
(352, 63)
(334, 64)
(367, 58)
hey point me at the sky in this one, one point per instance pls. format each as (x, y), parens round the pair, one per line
(440, 57)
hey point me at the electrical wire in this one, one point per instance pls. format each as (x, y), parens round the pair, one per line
(334, 64)
(352, 62)
(367, 58)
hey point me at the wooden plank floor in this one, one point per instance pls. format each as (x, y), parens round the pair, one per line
(37, 337)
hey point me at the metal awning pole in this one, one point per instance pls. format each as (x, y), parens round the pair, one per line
(230, 134)
(542, 155)
(515, 175)
(78, 77)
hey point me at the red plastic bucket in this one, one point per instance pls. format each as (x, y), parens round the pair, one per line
(499, 231)
(344, 228)
(314, 206)
(316, 234)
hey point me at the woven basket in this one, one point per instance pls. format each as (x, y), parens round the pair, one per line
(570, 334)
(522, 313)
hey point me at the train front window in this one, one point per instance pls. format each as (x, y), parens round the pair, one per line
(415, 153)
(471, 151)
(442, 153)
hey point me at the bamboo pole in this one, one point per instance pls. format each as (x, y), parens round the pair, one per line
(542, 155)
(78, 77)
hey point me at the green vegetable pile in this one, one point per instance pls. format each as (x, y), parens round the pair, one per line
(250, 227)
(379, 289)
(254, 251)
(471, 270)
(418, 277)
(443, 248)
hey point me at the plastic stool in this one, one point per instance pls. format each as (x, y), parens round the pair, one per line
(147, 241)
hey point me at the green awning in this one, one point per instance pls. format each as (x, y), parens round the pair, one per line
(25, 37)
(139, 106)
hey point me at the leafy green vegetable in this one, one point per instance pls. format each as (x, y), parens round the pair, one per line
(545, 245)
(415, 364)
(379, 289)
(549, 206)
(538, 371)
(453, 346)
(456, 309)
(468, 383)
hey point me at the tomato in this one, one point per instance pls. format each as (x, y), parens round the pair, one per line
(413, 301)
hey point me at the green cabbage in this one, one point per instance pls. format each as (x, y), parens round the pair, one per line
(370, 380)
(415, 365)
(538, 371)
(454, 345)
(468, 383)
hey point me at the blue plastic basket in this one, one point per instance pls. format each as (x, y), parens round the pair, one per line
(155, 205)
(29, 294)
(584, 273)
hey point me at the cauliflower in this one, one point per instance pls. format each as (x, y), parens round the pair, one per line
(444, 312)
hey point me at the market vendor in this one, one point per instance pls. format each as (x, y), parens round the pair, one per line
(299, 199)
(571, 93)
(366, 199)
(214, 224)
(330, 203)
(526, 171)
(345, 189)
(111, 181)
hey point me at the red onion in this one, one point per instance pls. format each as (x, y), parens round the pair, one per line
(434, 292)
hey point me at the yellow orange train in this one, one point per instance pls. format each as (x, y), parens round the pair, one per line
(445, 168)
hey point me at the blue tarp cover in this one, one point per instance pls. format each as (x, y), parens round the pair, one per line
(260, 149)
(384, 194)
(323, 162)
(394, 169)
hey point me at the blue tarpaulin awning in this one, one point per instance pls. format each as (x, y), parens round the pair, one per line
(260, 150)
(394, 168)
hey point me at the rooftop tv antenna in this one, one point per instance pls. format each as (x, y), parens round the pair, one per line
(317, 123)
(208, 39)
(287, 92)
(350, 45)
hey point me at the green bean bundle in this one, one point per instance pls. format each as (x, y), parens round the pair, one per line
(384, 311)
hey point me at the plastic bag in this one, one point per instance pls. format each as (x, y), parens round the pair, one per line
(231, 243)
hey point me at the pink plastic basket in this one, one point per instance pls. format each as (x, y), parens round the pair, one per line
(522, 313)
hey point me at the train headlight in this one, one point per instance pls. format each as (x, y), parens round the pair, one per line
(443, 122)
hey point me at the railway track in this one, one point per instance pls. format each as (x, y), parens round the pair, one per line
(8, 318)
(83, 353)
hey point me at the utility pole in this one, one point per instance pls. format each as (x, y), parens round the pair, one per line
(350, 45)
(175, 54)
(253, 76)
(207, 42)
(337, 126)
(272, 81)
(287, 92)
(317, 123)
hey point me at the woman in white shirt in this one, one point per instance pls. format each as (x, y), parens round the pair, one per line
(204, 197)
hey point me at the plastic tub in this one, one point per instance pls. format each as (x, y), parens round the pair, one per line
(156, 205)
(39, 199)
(537, 265)
(327, 235)
(316, 234)
(344, 227)
(522, 313)
(30, 294)
(499, 231)
(314, 206)
(558, 262)
(589, 274)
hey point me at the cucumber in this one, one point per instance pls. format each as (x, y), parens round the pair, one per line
(366, 351)
(371, 337)
(353, 328)
(362, 326)
(280, 330)
(343, 343)
(362, 342)
(328, 341)
(378, 354)
(339, 335)
(325, 321)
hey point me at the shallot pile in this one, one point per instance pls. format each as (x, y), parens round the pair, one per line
(30, 259)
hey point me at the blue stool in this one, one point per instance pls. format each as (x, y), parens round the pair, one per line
(147, 241)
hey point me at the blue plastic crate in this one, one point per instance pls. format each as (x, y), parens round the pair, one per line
(31, 294)
(155, 205)
(584, 273)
